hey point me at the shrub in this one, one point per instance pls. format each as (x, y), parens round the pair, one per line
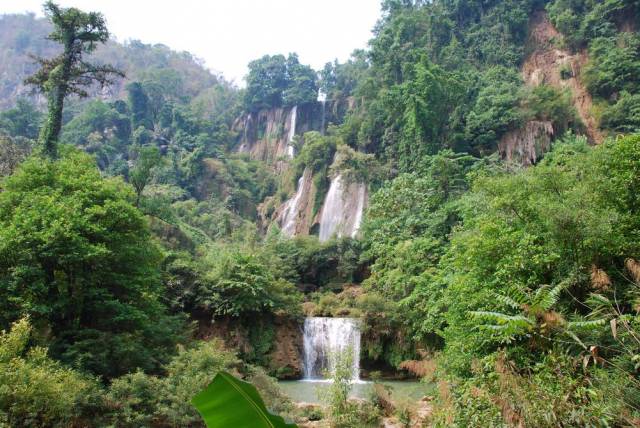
(36, 391)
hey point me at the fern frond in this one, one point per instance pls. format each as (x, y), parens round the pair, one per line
(503, 319)
(587, 325)
(596, 299)
(508, 301)
(546, 296)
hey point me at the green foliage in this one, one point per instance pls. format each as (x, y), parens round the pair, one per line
(141, 399)
(101, 130)
(614, 65)
(228, 401)
(623, 116)
(496, 108)
(36, 391)
(239, 284)
(355, 166)
(139, 105)
(275, 81)
(316, 153)
(148, 160)
(12, 152)
(341, 80)
(580, 21)
(345, 413)
(76, 256)
(21, 121)
(550, 395)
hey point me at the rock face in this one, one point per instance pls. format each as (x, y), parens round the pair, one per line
(558, 68)
(264, 135)
(285, 359)
(267, 134)
(285, 356)
(341, 213)
(526, 145)
(549, 65)
(271, 136)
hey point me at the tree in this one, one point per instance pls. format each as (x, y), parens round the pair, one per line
(76, 256)
(12, 152)
(139, 104)
(276, 81)
(149, 159)
(68, 74)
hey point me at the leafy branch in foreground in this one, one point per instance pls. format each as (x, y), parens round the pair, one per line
(230, 402)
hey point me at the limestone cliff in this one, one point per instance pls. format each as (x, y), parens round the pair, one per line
(559, 68)
(272, 136)
(284, 356)
(526, 145)
(268, 134)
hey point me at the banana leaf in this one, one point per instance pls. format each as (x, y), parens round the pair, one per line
(231, 403)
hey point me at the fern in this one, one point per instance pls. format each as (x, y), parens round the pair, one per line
(546, 297)
(586, 325)
(508, 301)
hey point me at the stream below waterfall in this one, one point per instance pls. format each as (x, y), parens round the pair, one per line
(305, 391)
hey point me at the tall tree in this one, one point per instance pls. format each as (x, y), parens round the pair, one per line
(66, 74)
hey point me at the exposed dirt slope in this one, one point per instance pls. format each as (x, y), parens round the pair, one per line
(546, 63)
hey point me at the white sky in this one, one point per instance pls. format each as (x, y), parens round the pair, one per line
(228, 34)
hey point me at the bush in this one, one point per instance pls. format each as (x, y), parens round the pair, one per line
(138, 399)
(36, 391)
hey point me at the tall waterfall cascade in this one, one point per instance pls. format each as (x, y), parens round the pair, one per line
(342, 209)
(292, 209)
(324, 339)
(293, 116)
(322, 98)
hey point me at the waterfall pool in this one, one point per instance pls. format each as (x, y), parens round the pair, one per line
(305, 391)
(325, 339)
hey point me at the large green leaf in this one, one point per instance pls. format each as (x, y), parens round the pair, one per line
(229, 402)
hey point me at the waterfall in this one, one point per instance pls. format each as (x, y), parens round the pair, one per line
(361, 197)
(323, 102)
(292, 130)
(323, 339)
(291, 212)
(342, 209)
(322, 97)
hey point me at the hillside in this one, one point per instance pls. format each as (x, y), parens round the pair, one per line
(460, 195)
(24, 35)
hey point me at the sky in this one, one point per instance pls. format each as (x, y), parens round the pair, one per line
(227, 34)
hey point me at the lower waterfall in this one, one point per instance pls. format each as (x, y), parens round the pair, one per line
(323, 339)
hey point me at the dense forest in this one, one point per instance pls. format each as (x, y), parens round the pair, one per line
(467, 186)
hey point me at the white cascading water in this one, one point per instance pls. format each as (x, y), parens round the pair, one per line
(324, 338)
(291, 211)
(362, 196)
(292, 131)
(342, 209)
